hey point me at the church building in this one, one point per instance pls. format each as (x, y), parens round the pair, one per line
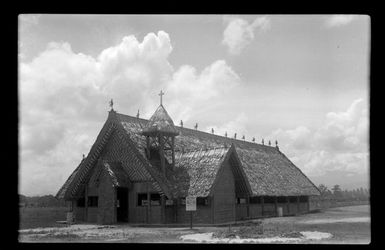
(141, 171)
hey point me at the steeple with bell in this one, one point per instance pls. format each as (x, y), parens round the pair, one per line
(160, 136)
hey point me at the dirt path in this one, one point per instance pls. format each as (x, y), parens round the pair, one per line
(337, 225)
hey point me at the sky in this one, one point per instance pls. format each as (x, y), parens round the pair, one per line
(302, 80)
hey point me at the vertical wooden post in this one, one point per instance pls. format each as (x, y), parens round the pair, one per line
(148, 204)
(128, 205)
(276, 205)
(213, 209)
(191, 218)
(248, 206)
(288, 205)
(298, 205)
(148, 146)
(69, 205)
(161, 152)
(176, 209)
(308, 203)
(72, 210)
(234, 210)
(162, 209)
(263, 205)
(86, 202)
(115, 215)
(173, 152)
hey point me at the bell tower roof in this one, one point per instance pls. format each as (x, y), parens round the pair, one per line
(160, 122)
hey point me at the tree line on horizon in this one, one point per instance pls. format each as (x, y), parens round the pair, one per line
(337, 194)
(40, 201)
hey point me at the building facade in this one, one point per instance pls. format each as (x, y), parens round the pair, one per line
(141, 171)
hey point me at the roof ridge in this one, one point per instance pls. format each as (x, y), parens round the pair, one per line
(133, 117)
(204, 149)
(231, 140)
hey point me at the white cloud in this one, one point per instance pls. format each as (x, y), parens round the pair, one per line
(340, 144)
(43, 173)
(345, 131)
(339, 20)
(64, 99)
(239, 33)
(189, 91)
(298, 137)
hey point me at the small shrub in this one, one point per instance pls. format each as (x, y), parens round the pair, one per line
(247, 230)
(65, 236)
(292, 235)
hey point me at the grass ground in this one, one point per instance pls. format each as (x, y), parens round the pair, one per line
(32, 217)
(345, 224)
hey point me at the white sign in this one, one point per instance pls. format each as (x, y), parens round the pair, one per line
(191, 203)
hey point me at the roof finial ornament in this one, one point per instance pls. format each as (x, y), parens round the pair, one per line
(212, 130)
(243, 137)
(137, 114)
(112, 104)
(263, 141)
(253, 139)
(226, 133)
(269, 143)
(276, 144)
(235, 136)
(161, 94)
(196, 126)
(181, 123)
(84, 156)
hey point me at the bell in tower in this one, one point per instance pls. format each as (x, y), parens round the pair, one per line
(160, 137)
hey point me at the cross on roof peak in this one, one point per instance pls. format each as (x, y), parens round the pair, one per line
(161, 94)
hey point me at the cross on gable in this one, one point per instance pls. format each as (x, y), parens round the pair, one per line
(161, 94)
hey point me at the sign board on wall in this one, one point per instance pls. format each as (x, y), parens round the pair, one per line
(191, 203)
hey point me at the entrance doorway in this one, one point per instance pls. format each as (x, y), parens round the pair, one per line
(122, 204)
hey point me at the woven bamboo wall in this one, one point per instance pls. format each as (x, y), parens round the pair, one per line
(107, 201)
(241, 211)
(255, 211)
(224, 195)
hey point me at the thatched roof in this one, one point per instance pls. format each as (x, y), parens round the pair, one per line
(269, 172)
(141, 170)
(199, 155)
(195, 171)
(273, 174)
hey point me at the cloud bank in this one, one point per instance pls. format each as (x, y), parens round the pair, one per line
(64, 99)
(341, 143)
(239, 33)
